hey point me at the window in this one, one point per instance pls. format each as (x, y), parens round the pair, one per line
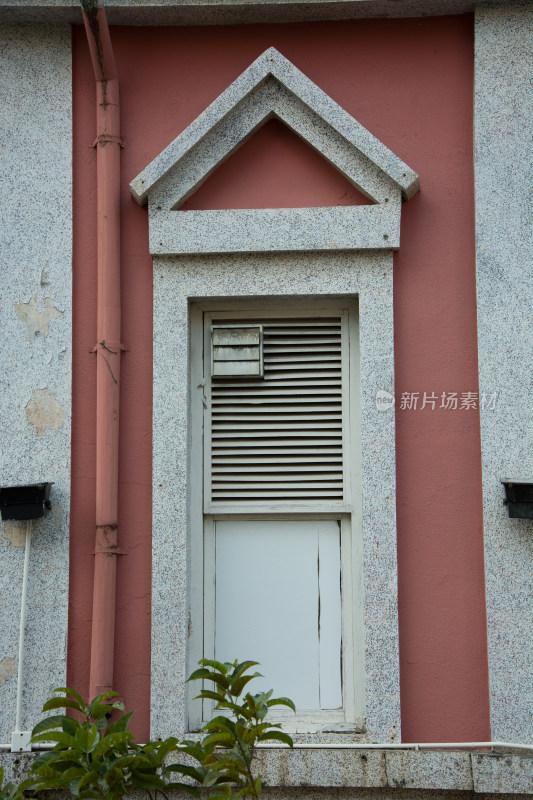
(275, 533)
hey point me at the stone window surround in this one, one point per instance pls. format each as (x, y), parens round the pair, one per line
(178, 280)
(295, 253)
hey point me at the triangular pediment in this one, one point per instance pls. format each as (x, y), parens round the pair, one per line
(274, 169)
(272, 87)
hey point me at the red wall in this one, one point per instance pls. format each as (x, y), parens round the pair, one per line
(410, 82)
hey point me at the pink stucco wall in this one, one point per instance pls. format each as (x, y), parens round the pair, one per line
(409, 82)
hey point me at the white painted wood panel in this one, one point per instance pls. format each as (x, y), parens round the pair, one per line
(277, 597)
(330, 614)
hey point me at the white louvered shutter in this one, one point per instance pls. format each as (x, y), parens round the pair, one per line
(280, 438)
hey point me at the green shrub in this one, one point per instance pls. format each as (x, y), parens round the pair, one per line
(225, 754)
(95, 758)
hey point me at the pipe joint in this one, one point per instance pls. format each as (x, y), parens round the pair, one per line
(106, 138)
(106, 543)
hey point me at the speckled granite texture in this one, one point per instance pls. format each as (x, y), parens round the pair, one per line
(373, 775)
(272, 85)
(35, 233)
(220, 12)
(399, 769)
(504, 248)
(283, 229)
(368, 275)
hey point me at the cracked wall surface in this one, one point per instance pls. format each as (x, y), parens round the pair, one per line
(35, 296)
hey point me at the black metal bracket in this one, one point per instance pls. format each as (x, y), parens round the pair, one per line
(519, 498)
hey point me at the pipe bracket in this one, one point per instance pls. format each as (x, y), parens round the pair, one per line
(111, 347)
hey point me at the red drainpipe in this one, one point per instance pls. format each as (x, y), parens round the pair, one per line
(108, 348)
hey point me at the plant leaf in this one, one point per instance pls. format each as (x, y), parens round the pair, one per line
(109, 742)
(119, 724)
(220, 680)
(281, 701)
(240, 683)
(242, 667)
(60, 702)
(280, 736)
(104, 696)
(220, 722)
(198, 674)
(87, 737)
(207, 693)
(223, 668)
(73, 693)
(55, 736)
(48, 724)
(220, 739)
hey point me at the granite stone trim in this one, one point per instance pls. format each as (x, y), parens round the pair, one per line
(230, 12)
(303, 93)
(373, 775)
(176, 282)
(35, 380)
(270, 100)
(401, 769)
(504, 246)
(273, 87)
(286, 230)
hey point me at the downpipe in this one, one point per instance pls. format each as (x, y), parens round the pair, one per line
(108, 347)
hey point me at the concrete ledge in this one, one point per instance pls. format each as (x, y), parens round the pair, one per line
(399, 769)
(369, 774)
(229, 12)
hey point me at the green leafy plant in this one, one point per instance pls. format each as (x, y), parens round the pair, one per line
(95, 758)
(225, 755)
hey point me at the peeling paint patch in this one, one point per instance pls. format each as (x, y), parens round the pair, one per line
(7, 668)
(36, 321)
(16, 533)
(45, 411)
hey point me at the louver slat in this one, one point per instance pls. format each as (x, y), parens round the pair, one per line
(282, 437)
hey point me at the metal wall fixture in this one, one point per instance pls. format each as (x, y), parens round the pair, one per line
(519, 498)
(25, 502)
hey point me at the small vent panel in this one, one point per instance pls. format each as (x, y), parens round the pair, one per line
(282, 438)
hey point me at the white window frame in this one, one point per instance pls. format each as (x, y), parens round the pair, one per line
(202, 516)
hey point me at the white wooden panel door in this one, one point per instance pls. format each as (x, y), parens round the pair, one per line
(277, 597)
(275, 563)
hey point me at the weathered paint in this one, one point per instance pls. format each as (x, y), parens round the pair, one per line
(16, 533)
(36, 319)
(7, 668)
(44, 410)
(410, 83)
